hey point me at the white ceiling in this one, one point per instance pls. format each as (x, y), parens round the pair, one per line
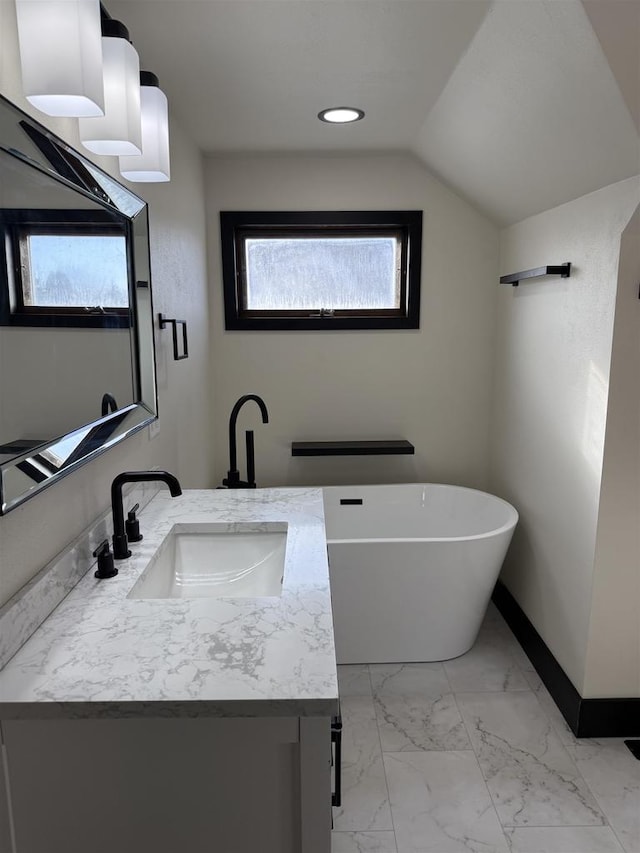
(247, 75)
(512, 103)
(532, 115)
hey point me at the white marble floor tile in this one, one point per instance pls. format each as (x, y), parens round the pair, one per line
(415, 708)
(519, 655)
(562, 839)
(531, 776)
(553, 712)
(440, 804)
(353, 680)
(365, 803)
(489, 665)
(363, 842)
(412, 679)
(613, 775)
(494, 623)
(493, 616)
(533, 679)
(409, 723)
(496, 626)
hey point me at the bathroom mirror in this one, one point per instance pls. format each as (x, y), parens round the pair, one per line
(77, 365)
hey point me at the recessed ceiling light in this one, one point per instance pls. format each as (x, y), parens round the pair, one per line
(341, 115)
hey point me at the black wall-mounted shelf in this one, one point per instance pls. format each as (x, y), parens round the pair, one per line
(352, 448)
(563, 270)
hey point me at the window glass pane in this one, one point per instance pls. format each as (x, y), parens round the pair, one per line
(309, 273)
(76, 270)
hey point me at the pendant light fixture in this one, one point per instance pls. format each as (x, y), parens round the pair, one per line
(153, 164)
(119, 131)
(61, 56)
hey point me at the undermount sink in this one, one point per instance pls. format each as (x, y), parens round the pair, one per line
(209, 561)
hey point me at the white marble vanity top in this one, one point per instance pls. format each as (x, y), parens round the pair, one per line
(101, 654)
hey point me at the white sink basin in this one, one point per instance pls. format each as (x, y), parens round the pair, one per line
(208, 561)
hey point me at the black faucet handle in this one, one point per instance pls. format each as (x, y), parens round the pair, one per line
(103, 548)
(105, 569)
(132, 525)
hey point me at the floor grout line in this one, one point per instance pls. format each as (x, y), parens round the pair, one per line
(558, 826)
(384, 769)
(601, 807)
(482, 776)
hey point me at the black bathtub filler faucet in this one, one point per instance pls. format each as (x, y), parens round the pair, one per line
(232, 480)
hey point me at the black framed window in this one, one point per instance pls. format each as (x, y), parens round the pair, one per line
(321, 270)
(61, 270)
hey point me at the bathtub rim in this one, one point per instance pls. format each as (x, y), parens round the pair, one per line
(505, 528)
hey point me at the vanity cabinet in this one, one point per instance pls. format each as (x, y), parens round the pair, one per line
(177, 725)
(200, 785)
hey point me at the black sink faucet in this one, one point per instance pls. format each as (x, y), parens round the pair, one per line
(120, 545)
(232, 480)
(108, 404)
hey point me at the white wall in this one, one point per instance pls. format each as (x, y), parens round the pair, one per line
(552, 383)
(430, 386)
(613, 651)
(32, 534)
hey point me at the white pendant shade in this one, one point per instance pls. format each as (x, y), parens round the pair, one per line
(61, 56)
(153, 164)
(119, 131)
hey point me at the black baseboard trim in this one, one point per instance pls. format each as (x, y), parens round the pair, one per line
(585, 717)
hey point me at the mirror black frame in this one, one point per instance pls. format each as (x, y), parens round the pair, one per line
(46, 463)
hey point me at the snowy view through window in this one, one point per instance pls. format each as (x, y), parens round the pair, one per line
(308, 273)
(71, 270)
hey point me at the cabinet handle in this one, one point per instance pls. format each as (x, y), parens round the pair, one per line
(336, 743)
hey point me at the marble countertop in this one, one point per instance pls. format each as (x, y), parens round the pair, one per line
(101, 654)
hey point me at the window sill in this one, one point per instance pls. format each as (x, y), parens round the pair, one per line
(317, 324)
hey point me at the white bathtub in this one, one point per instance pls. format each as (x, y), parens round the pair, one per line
(412, 568)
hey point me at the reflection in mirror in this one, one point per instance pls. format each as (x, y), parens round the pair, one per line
(66, 266)
(77, 370)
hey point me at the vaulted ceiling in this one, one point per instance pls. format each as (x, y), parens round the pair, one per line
(519, 105)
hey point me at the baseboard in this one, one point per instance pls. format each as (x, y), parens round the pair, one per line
(609, 718)
(585, 717)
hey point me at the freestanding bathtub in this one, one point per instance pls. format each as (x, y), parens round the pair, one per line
(412, 568)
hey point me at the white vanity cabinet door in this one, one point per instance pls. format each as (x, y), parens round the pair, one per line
(167, 785)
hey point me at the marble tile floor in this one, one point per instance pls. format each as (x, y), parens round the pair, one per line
(472, 756)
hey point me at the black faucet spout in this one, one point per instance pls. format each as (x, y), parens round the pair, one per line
(120, 544)
(108, 404)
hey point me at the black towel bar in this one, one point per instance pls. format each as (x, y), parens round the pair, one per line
(164, 322)
(563, 270)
